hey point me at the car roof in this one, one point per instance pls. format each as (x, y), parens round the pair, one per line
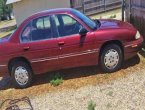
(56, 10)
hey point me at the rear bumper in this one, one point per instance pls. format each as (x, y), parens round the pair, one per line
(132, 48)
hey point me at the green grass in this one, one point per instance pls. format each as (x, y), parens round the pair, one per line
(91, 105)
(56, 80)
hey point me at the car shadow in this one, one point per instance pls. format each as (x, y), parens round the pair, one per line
(67, 74)
(142, 52)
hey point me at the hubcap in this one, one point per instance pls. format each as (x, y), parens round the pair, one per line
(111, 59)
(21, 75)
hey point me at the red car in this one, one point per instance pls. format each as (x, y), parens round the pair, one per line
(65, 38)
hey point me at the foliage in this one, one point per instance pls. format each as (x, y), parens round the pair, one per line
(56, 80)
(91, 105)
(5, 10)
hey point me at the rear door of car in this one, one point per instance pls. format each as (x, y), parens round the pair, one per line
(75, 50)
(39, 45)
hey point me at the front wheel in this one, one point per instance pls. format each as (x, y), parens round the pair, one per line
(21, 74)
(111, 58)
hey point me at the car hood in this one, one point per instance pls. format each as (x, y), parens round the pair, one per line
(115, 24)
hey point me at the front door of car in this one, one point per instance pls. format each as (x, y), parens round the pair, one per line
(39, 45)
(75, 50)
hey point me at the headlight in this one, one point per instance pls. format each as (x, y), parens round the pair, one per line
(137, 36)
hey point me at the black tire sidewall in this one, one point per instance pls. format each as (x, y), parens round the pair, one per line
(108, 47)
(30, 74)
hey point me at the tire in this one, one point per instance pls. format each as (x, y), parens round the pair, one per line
(111, 58)
(21, 74)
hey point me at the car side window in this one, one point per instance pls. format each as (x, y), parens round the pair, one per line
(26, 34)
(67, 23)
(68, 20)
(41, 29)
(39, 23)
(38, 29)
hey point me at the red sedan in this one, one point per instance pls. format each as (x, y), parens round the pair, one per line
(65, 38)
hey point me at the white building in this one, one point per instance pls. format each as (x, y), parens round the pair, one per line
(24, 8)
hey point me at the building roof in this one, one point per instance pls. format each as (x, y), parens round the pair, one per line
(12, 1)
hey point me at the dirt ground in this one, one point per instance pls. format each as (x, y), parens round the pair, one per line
(77, 79)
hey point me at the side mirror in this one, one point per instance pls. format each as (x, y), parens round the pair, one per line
(83, 31)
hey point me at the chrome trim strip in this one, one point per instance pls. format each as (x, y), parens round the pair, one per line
(128, 45)
(65, 56)
(44, 59)
(78, 54)
(3, 65)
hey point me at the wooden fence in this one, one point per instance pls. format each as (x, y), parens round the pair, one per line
(91, 7)
(135, 14)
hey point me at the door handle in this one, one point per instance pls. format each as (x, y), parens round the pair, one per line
(26, 48)
(61, 43)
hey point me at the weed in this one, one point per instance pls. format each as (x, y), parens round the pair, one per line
(91, 105)
(110, 93)
(56, 80)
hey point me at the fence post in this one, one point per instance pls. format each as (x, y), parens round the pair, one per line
(104, 5)
(123, 9)
(71, 4)
(83, 6)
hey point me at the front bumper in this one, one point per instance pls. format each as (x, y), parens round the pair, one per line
(3, 70)
(132, 48)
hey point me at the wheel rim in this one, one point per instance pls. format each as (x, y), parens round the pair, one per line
(111, 59)
(21, 75)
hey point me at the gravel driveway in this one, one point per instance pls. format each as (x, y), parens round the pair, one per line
(120, 93)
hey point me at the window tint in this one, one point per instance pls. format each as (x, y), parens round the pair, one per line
(67, 23)
(26, 34)
(56, 21)
(41, 29)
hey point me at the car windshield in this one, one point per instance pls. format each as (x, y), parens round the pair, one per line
(85, 19)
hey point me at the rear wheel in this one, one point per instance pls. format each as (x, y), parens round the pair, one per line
(21, 74)
(111, 58)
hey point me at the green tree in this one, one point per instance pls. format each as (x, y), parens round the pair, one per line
(5, 10)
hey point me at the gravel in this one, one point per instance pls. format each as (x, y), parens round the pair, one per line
(122, 94)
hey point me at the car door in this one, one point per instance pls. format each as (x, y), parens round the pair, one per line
(75, 50)
(39, 45)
